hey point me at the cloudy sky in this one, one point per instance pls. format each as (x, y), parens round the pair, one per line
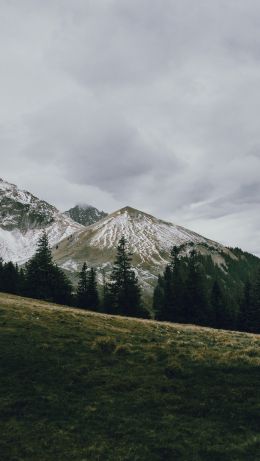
(153, 104)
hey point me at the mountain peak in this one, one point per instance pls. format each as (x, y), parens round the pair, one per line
(85, 214)
(128, 210)
(22, 220)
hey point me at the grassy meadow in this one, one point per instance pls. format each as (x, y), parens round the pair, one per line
(81, 386)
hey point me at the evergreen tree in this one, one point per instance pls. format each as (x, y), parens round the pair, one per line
(218, 307)
(1, 274)
(10, 278)
(92, 291)
(124, 289)
(254, 310)
(245, 307)
(158, 299)
(87, 293)
(82, 290)
(196, 303)
(43, 279)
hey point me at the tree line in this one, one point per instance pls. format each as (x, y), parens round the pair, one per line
(185, 293)
(42, 279)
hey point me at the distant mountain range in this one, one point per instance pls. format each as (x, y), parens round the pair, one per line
(85, 234)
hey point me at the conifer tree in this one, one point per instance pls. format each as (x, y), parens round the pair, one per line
(87, 292)
(10, 278)
(43, 279)
(124, 288)
(218, 307)
(92, 291)
(158, 299)
(245, 307)
(196, 303)
(254, 310)
(82, 290)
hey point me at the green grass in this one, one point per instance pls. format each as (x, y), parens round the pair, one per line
(79, 386)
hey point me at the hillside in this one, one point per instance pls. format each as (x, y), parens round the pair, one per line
(83, 386)
(150, 240)
(23, 217)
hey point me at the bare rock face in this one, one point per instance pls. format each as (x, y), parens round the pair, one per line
(85, 214)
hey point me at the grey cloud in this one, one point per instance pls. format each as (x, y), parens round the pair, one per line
(103, 150)
(151, 103)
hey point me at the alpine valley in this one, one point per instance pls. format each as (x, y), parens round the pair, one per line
(23, 217)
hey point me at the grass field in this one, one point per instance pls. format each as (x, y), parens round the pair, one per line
(79, 386)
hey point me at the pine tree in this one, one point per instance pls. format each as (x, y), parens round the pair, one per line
(245, 307)
(87, 292)
(43, 279)
(158, 299)
(196, 303)
(124, 289)
(254, 311)
(82, 290)
(218, 307)
(92, 291)
(10, 278)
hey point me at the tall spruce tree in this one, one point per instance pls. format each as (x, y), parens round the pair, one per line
(196, 303)
(254, 311)
(246, 307)
(218, 319)
(124, 289)
(43, 279)
(92, 290)
(82, 290)
(87, 292)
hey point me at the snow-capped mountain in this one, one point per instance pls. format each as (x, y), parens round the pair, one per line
(22, 220)
(150, 240)
(85, 214)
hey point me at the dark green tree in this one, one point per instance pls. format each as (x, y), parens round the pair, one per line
(196, 303)
(158, 299)
(254, 310)
(82, 290)
(10, 278)
(92, 290)
(124, 289)
(43, 279)
(219, 315)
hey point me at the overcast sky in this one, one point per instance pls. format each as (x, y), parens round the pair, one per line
(148, 103)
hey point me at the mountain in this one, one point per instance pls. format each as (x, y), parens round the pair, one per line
(150, 240)
(22, 220)
(85, 214)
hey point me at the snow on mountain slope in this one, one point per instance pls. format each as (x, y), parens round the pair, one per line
(146, 235)
(22, 220)
(150, 240)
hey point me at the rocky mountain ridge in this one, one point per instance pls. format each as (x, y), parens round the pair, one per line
(23, 217)
(85, 214)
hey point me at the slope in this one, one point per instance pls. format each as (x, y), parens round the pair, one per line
(150, 241)
(77, 385)
(22, 220)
